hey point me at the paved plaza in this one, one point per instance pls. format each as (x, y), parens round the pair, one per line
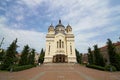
(60, 71)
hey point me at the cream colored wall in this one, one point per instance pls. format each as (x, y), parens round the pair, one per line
(52, 41)
(71, 57)
(49, 55)
(51, 32)
(58, 50)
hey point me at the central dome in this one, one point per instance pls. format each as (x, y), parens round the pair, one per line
(59, 28)
(60, 24)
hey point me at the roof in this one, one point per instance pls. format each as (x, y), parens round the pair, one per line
(68, 26)
(115, 44)
(60, 24)
(51, 26)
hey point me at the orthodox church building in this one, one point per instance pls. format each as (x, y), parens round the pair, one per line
(60, 46)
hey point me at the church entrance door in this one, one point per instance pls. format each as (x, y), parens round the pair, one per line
(59, 58)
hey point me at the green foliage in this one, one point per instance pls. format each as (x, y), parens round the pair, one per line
(19, 68)
(24, 56)
(2, 53)
(113, 56)
(96, 67)
(99, 60)
(95, 58)
(31, 57)
(110, 68)
(78, 56)
(90, 56)
(0, 67)
(117, 62)
(10, 57)
(41, 58)
(111, 51)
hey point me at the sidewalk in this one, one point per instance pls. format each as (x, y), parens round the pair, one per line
(60, 71)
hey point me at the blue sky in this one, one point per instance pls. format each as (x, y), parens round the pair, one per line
(93, 21)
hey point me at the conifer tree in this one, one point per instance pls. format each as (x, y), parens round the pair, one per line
(31, 58)
(117, 62)
(81, 58)
(99, 60)
(90, 56)
(10, 56)
(78, 56)
(114, 58)
(41, 58)
(2, 53)
(111, 51)
(24, 56)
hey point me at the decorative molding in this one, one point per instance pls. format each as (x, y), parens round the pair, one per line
(50, 40)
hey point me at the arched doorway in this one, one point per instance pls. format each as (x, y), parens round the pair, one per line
(59, 58)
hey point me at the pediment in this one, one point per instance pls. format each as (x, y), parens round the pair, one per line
(60, 35)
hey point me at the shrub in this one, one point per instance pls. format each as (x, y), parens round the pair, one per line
(96, 67)
(110, 68)
(0, 67)
(19, 68)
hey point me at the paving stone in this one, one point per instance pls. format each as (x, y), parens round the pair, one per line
(61, 71)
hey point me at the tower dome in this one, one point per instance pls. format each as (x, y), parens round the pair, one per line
(51, 28)
(59, 28)
(68, 28)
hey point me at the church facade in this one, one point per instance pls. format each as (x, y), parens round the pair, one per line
(60, 46)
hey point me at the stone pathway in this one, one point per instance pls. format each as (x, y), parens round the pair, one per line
(60, 72)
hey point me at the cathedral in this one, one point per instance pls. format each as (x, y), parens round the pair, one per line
(60, 46)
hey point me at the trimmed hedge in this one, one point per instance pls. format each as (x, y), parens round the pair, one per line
(96, 67)
(0, 66)
(110, 68)
(19, 68)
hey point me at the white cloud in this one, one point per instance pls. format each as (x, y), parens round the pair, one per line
(83, 40)
(88, 18)
(2, 20)
(3, 9)
(34, 39)
(88, 15)
(19, 18)
(32, 3)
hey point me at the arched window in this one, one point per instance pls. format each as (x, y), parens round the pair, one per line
(62, 44)
(70, 48)
(57, 44)
(49, 49)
